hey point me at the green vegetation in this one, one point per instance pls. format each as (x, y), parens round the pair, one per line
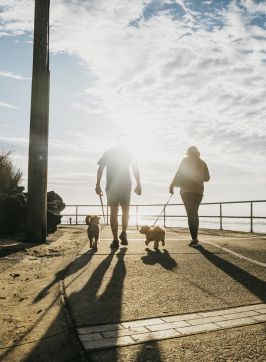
(10, 176)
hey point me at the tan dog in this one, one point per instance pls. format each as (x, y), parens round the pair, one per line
(93, 230)
(155, 234)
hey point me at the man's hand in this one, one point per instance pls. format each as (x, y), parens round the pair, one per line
(171, 189)
(138, 190)
(98, 190)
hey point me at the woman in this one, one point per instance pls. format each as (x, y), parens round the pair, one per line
(190, 177)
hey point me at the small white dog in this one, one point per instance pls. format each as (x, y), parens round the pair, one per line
(93, 222)
(155, 234)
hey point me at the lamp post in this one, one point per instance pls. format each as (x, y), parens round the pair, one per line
(36, 223)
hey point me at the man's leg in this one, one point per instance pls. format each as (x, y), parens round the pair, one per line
(125, 217)
(114, 221)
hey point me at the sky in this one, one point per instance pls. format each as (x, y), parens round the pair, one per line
(169, 73)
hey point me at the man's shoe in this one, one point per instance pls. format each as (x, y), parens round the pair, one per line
(115, 244)
(123, 238)
(194, 243)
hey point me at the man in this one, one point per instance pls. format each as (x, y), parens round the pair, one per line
(118, 161)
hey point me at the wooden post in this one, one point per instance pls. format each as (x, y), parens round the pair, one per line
(39, 121)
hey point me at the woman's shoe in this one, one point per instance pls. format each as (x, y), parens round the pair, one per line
(194, 242)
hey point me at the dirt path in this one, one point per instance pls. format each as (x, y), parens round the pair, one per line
(33, 320)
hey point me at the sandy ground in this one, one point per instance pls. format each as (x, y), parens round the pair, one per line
(30, 300)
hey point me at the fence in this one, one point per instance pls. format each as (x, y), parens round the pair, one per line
(140, 215)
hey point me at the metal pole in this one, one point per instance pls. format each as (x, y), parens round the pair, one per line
(251, 217)
(36, 222)
(76, 214)
(107, 215)
(221, 217)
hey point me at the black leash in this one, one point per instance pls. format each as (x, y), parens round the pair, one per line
(162, 210)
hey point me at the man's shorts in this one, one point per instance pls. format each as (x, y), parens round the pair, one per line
(119, 196)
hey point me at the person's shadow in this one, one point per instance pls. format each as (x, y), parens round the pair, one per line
(255, 285)
(159, 257)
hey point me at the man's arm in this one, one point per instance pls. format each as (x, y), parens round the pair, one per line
(137, 178)
(99, 177)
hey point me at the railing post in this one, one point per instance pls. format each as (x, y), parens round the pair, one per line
(76, 214)
(107, 215)
(221, 217)
(251, 217)
(137, 216)
(164, 216)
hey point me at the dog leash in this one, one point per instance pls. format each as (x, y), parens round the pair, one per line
(103, 211)
(162, 210)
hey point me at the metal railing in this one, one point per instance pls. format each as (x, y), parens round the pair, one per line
(77, 218)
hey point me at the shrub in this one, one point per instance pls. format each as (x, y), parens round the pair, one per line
(10, 176)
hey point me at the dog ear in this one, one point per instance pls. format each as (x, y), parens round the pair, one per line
(88, 219)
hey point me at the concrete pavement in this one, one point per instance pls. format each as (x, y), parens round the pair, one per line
(136, 284)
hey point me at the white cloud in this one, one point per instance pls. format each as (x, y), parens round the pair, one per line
(13, 75)
(8, 105)
(194, 78)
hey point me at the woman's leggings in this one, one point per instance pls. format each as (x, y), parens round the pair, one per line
(192, 202)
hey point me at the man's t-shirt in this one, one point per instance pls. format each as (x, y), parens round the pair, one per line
(117, 161)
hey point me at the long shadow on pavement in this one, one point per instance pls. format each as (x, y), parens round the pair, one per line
(73, 266)
(107, 307)
(159, 257)
(255, 285)
(44, 350)
(149, 352)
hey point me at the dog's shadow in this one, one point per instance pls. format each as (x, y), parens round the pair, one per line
(159, 257)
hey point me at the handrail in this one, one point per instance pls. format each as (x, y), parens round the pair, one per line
(75, 216)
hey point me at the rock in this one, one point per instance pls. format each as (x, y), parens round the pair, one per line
(55, 205)
(14, 275)
(13, 211)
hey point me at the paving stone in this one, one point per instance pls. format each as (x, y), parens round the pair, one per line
(259, 306)
(262, 311)
(217, 318)
(197, 329)
(142, 323)
(90, 337)
(243, 309)
(177, 318)
(236, 322)
(125, 332)
(250, 313)
(260, 318)
(231, 310)
(153, 336)
(164, 326)
(108, 343)
(100, 328)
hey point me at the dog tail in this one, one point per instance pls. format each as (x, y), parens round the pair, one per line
(88, 219)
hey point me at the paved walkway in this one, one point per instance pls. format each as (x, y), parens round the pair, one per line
(137, 295)
(154, 329)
